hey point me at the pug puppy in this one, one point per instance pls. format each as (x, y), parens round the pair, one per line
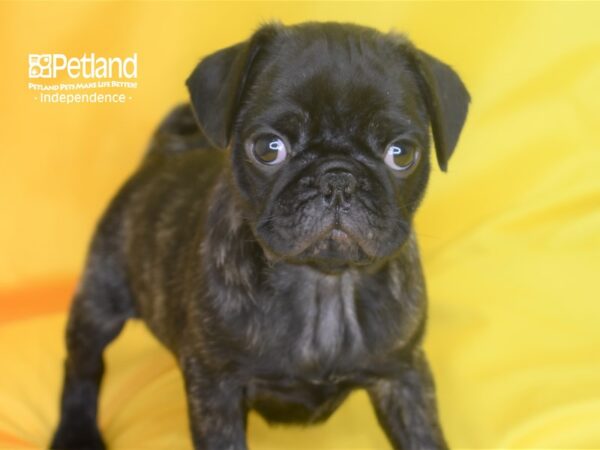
(266, 239)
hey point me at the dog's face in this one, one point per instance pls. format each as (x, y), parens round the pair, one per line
(328, 126)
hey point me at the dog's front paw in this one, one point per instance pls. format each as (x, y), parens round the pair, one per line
(77, 437)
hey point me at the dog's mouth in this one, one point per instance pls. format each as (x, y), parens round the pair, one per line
(336, 250)
(335, 247)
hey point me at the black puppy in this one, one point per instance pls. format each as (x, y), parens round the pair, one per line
(283, 271)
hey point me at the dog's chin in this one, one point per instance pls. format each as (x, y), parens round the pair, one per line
(332, 241)
(332, 250)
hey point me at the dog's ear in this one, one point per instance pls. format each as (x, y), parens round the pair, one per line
(217, 84)
(447, 103)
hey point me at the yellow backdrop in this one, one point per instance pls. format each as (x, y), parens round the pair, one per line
(510, 236)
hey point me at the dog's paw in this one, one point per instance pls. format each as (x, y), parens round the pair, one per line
(69, 437)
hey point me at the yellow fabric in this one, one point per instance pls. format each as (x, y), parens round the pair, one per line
(510, 236)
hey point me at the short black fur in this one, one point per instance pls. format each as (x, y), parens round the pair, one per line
(278, 288)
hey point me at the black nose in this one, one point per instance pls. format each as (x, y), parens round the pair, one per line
(337, 187)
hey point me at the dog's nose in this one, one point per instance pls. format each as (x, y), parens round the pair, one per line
(337, 187)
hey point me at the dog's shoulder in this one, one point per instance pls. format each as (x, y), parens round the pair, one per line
(178, 132)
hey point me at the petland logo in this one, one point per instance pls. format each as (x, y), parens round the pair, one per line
(86, 79)
(51, 65)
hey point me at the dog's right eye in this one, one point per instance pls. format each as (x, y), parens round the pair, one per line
(269, 149)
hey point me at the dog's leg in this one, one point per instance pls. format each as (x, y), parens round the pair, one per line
(98, 313)
(216, 408)
(406, 408)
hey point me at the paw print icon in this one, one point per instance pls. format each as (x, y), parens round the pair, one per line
(40, 66)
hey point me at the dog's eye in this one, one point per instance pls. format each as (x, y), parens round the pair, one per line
(400, 156)
(269, 149)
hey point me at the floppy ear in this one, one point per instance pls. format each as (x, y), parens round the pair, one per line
(447, 103)
(217, 83)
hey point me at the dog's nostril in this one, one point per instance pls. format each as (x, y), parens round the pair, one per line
(337, 186)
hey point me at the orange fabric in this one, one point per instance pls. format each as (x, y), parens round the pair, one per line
(35, 298)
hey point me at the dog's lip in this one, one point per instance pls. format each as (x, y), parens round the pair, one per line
(338, 234)
(335, 232)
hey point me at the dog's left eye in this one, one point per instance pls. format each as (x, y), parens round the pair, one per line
(269, 149)
(401, 156)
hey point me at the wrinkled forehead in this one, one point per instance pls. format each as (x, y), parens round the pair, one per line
(338, 81)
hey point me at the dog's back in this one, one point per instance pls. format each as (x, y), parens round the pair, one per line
(178, 132)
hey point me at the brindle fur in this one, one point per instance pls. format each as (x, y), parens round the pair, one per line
(250, 328)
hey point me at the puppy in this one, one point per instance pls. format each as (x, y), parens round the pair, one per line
(266, 239)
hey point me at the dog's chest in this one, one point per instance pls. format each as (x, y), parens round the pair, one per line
(328, 319)
(313, 323)
(298, 321)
